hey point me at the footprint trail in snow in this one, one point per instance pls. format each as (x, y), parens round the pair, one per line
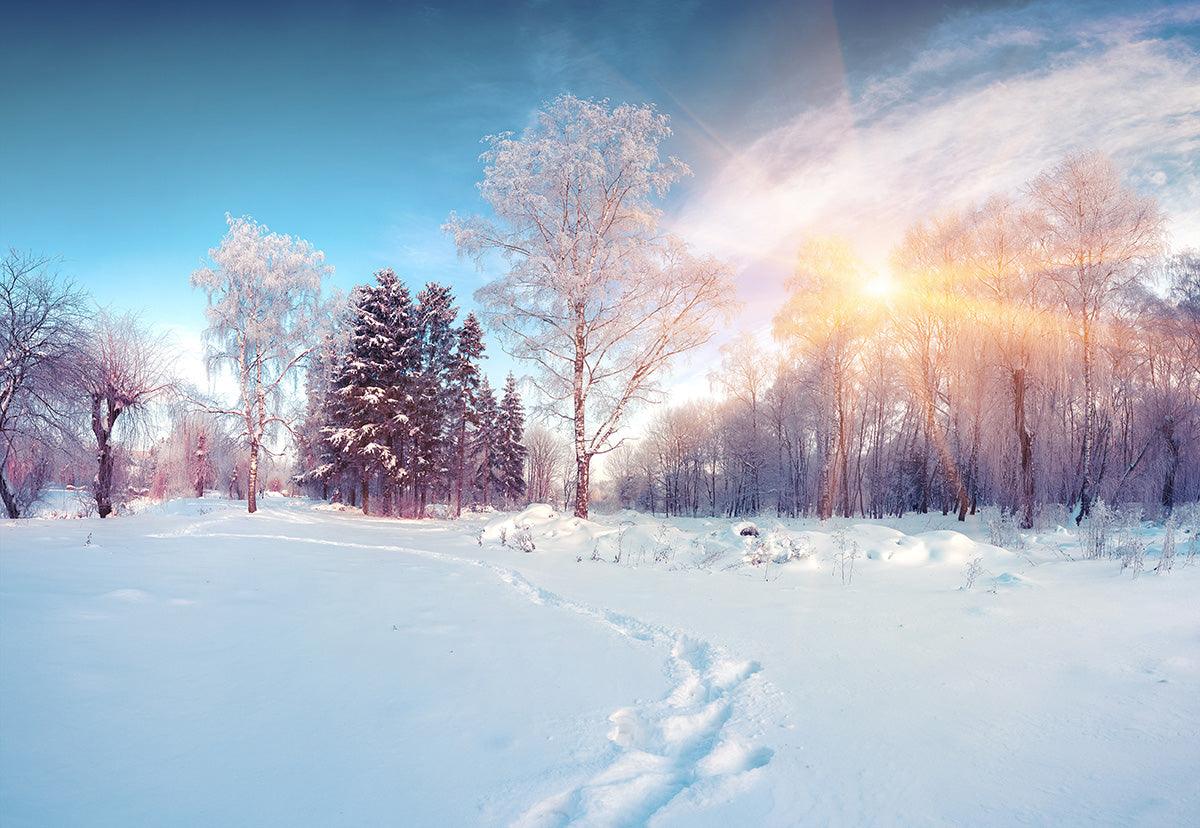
(701, 736)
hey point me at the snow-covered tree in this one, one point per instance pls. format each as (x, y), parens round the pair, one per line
(433, 397)
(318, 457)
(124, 368)
(465, 379)
(202, 471)
(41, 317)
(1096, 235)
(263, 302)
(511, 461)
(546, 459)
(360, 427)
(488, 448)
(595, 295)
(823, 324)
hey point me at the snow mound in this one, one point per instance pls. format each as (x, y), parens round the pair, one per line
(537, 523)
(336, 507)
(939, 547)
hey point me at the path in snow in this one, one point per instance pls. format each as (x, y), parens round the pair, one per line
(155, 676)
(663, 747)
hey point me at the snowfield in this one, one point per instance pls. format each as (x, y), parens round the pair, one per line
(194, 665)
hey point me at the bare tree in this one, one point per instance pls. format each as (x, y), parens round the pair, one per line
(544, 463)
(594, 296)
(263, 297)
(124, 368)
(823, 324)
(40, 318)
(1095, 234)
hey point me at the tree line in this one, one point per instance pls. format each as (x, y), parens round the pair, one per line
(1040, 348)
(397, 406)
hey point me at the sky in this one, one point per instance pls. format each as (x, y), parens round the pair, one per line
(131, 129)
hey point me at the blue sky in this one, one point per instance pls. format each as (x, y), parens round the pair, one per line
(131, 129)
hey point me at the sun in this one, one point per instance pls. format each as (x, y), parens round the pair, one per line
(880, 286)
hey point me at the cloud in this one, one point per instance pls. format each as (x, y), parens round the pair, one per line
(989, 101)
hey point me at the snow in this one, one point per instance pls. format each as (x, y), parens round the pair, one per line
(191, 664)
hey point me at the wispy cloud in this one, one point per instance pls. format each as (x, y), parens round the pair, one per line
(988, 102)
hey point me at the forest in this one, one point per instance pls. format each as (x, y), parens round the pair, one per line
(1035, 353)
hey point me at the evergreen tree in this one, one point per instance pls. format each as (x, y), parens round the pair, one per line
(465, 386)
(319, 458)
(487, 445)
(432, 401)
(362, 421)
(511, 442)
(401, 344)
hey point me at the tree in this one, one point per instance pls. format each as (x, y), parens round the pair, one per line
(999, 257)
(929, 328)
(743, 375)
(432, 397)
(124, 369)
(488, 444)
(202, 472)
(1095, 235)
(318, 457)
(545, 459)
(359, 424)
(823, 323)
(263, 293)
(465, 387)
(40, 322)
(594, 296)
(511, 442)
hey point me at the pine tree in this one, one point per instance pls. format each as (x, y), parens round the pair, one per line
(402, 366)
(465, 386)
(319, 458)
(363, 425)
(511, 442)
(487, 444)
(431, 397)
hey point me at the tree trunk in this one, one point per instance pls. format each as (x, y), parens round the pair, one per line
(365, 488)
(582, 458)
(462, 457)
(102, 425)
(10, 500)
(487, 476)
(582, 473)
(1089, 424)
(252, 483)
(1025, 447)
(1168, 490)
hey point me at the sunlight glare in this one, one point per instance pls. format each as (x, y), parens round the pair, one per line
(880, 286)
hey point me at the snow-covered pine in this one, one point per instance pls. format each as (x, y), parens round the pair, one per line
(511, 442)
(319, 459)
(465, 378)
(432, 397)
(488, 445)
(364, 420)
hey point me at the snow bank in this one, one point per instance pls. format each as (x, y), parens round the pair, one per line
(538, 523)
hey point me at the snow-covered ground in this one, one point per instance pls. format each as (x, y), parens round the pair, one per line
(193, 665)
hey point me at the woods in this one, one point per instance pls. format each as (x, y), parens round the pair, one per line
(1032, 353)
(1036, 351)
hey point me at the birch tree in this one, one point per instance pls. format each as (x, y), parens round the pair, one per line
(263, 299)
(1096, 233)
(593, 294)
